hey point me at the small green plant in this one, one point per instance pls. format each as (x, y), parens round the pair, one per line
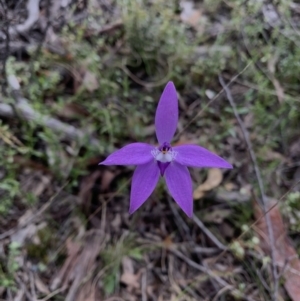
(112, 257)
(157, 40)
(291, 209)
(9, 189)
(8, 269)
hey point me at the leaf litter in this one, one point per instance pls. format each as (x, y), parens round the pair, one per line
(214, 179)
(286, 256)
(73, 268)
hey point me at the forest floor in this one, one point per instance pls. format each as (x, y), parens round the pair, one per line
(80, 79)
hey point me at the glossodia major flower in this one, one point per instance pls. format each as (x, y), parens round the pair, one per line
(169, 162)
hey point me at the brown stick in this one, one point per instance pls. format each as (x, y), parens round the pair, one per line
(33, 15)
(24, 111)
(260, 184)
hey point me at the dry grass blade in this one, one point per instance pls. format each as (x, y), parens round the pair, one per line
(73, 249)
(260, 184)
(211, 274)
(82, 78)
(278, 88)
(35, 215)
(208, 233)
(210, 102)
(79, 266)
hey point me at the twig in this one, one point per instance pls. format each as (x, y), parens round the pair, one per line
(260, 184)
(7, 48)
(17, 46)
(38, 49)
(24, 111)
(32, 287)
(183, 227)
(106, 29)
(221, 292)
(33, 217)
(181, 224)
(209, 103)
(208, 233)
(52, 294)
(144, 285)
(33, 15)
(206, 251)
(179, 288)
(205, 270)
(65, 3)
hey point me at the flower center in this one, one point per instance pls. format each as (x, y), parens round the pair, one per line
(164, 153)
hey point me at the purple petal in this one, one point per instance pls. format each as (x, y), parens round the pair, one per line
(162, 167)
(197, 156)
(131, 154)
(179, 182)
(144, 180)
(166, 117)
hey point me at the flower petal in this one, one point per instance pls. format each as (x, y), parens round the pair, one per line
(144, 180)
(166, 117)
(131, 154)
(179, 182)
(197, 156)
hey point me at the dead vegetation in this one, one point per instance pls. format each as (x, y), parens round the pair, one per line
(81, 78)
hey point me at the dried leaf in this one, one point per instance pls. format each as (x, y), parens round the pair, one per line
(295, 149)
(73, 249)
(35, 182)
(90, 81)
(217, 216)
(107, 178)
(91, 295)
(279, 90)
(86, 185)
(127, 265)
(41, 287)
(168, 242)
(271, 15)
(116, 222)
(80, 262)
(210, 94)
(28, 232)
(130, 280)
(189, 15)
(84, 265)
(213, 180)
(128, 277)
(88, 292)
(285, 254)
(25, 162)
(72, 110)
(26, 217)
(22, 234)
(227, 230)
(20, 294)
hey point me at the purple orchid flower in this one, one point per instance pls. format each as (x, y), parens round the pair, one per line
(165, 160)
